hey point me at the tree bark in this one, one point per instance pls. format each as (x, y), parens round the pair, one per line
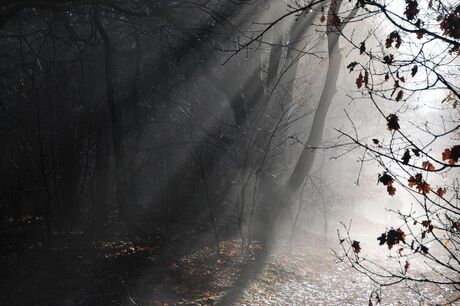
(307, 157)
(117, 136)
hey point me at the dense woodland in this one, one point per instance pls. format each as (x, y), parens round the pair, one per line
(205, 152)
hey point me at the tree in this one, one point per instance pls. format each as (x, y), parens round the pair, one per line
(414, 161)
(418, 54)
(68, 139)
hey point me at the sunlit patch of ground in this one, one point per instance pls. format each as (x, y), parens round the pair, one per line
(305, 274)
(184, 269)
(308, 275)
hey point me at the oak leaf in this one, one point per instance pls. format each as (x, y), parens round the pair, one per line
(414, 180)
(428, 166)
(426, 223)
(362, 47)
(406, 157)
(391, 190)
(394, 37)
(360, 80)
(392, 238)
(450, 24)
(414, 70)
(356, 247)
(352, 66)
(392, 122)
(423, 187)
(452, 154)
(388, 59)
(441, 192)
(417, 181)
(411, 9)
(385, 179)
(424, 249)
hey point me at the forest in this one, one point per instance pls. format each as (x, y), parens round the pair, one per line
(229, 152)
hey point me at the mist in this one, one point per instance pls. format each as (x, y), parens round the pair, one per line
(227, 153)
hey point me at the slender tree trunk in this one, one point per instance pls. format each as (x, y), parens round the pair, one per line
(280, 199)
(101, 179)
(117, 136)
(134, 110)
(280, 80)
(212, 216)
(307, 157)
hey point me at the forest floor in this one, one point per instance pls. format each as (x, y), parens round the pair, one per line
(182, 269)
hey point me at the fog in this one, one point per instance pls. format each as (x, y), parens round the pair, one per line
(217, 152)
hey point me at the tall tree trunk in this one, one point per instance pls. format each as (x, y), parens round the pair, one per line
(101, 175)
(278, 200)
(117, 136)
(135, 117)
(307, 157)
(273, 132)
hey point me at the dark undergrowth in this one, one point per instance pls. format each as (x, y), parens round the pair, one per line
(170, 267)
